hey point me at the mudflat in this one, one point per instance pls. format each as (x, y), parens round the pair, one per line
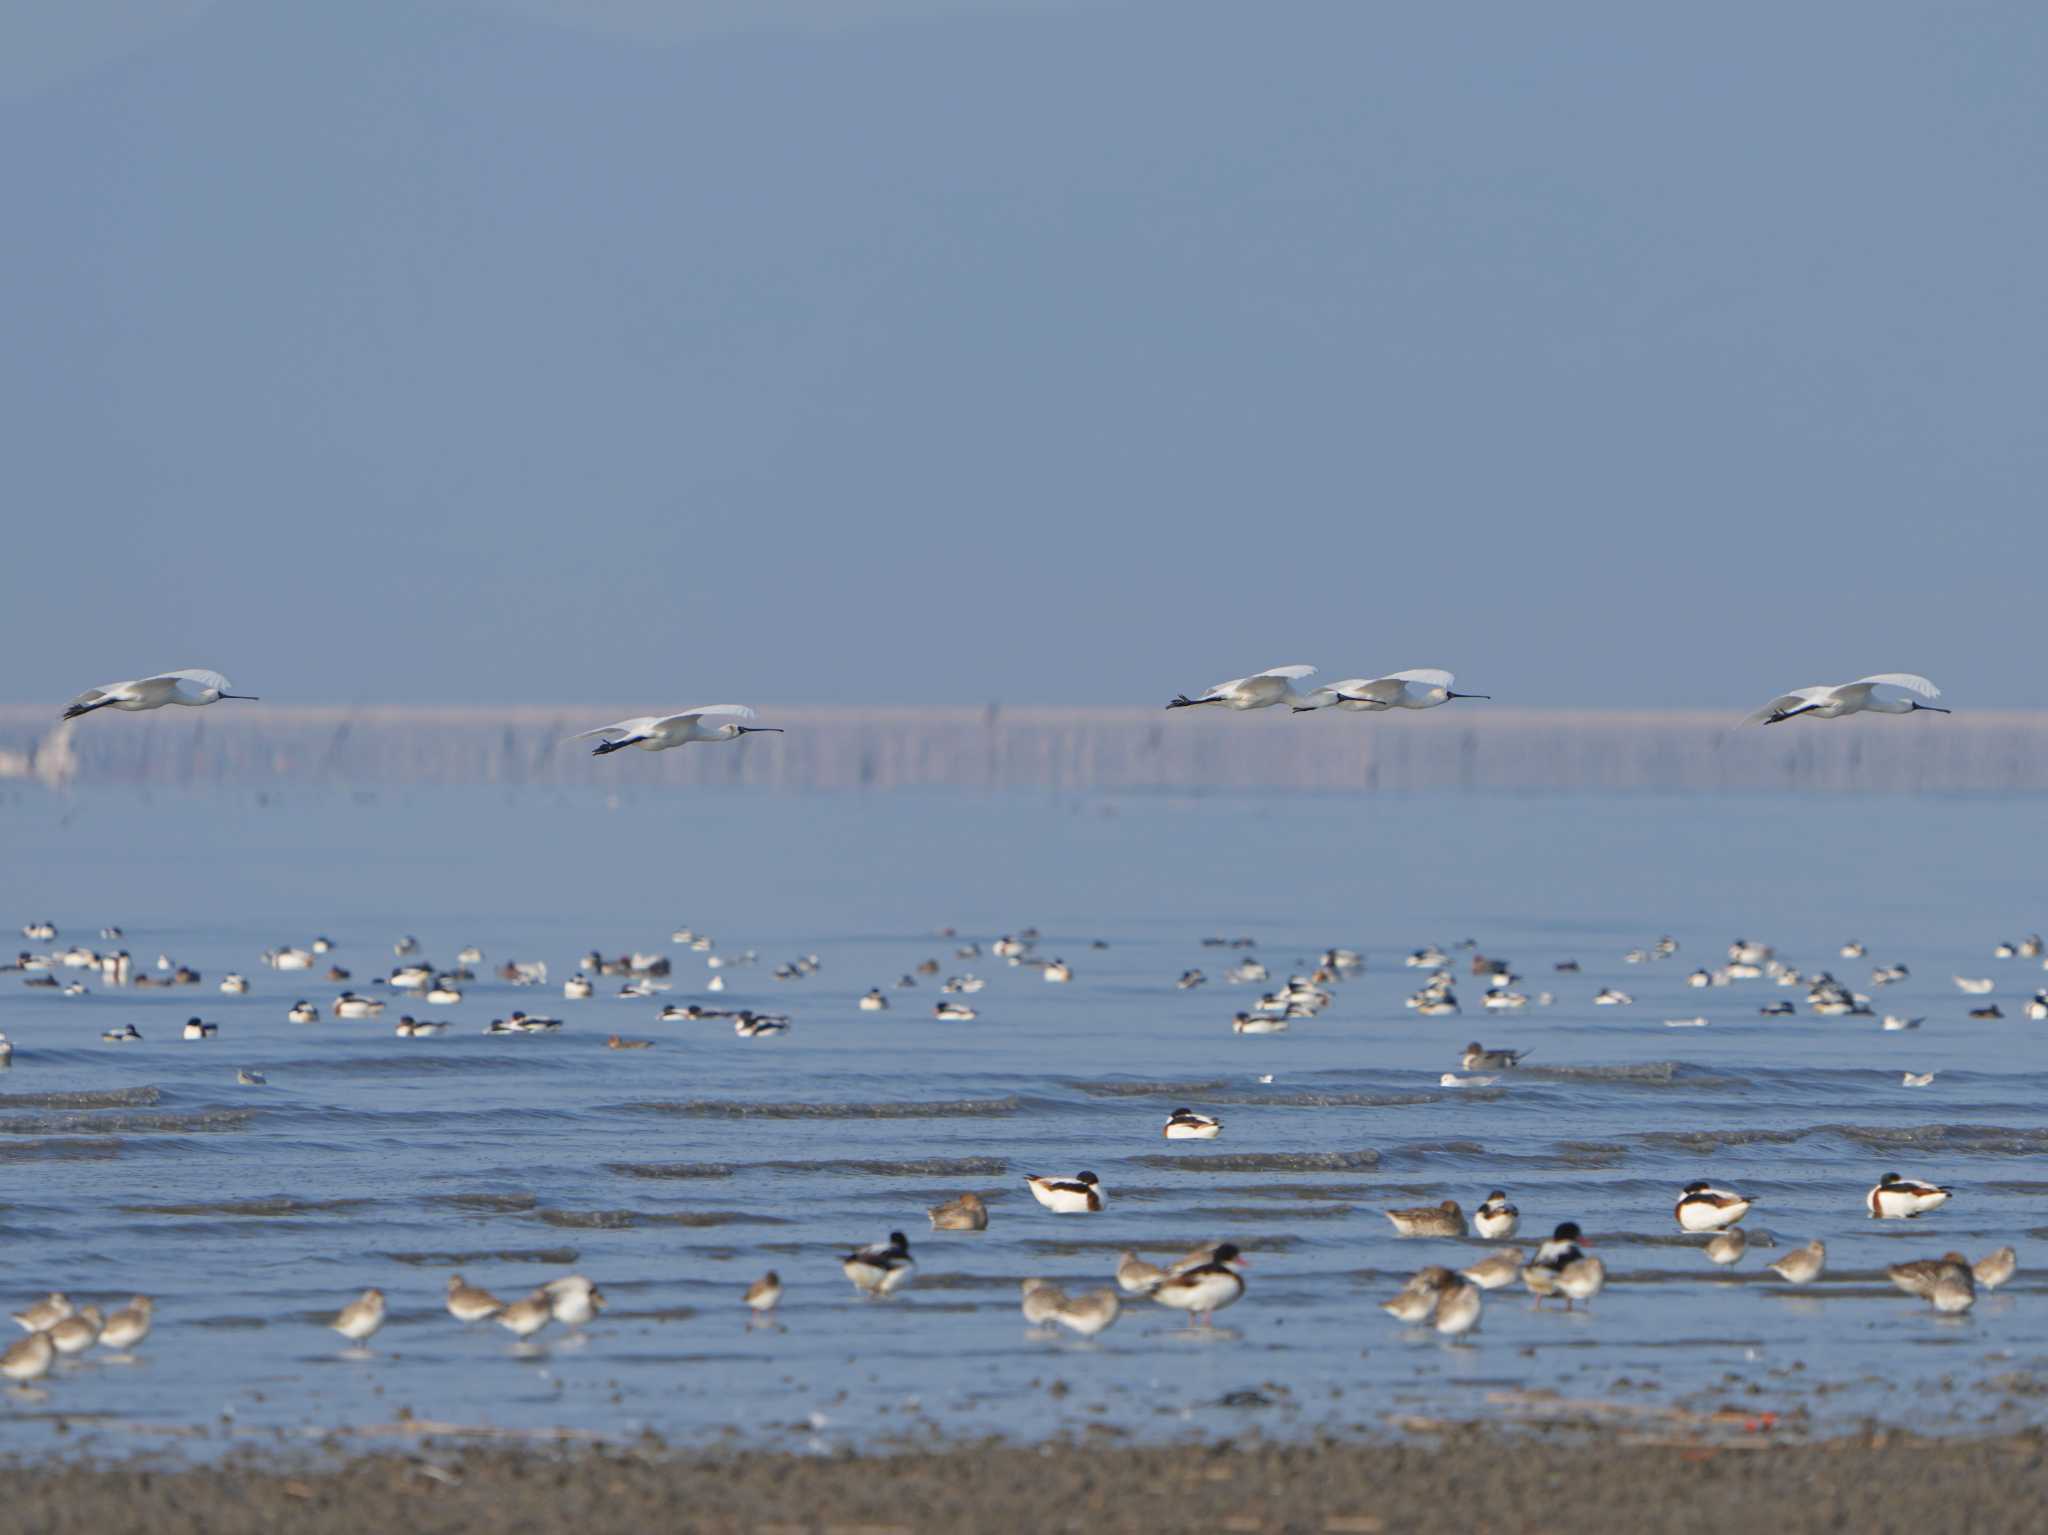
(1467, 1480)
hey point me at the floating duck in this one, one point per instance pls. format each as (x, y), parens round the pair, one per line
(876, 1001)
(1081, 1194)
(1496, 1218)
(1187, 1125)
(1896, 1198)
(1478, 1058)
(1206, 1289)
(954, 1012)
(196, 1028)
(881, 1268)
(966, 1213)
(1443, 1220)
(1702, 1207)
(122, 1035)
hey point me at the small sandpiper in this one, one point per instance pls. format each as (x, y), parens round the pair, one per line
(468, 1303)
(46, 1313)
(1415, 1301)
(1726, 1247)
(1134, 1276)
(1497, 1270)
(30, 1359)
(1802, 1265)
(1088, 1314)
(128, 1326)
(78, 1332)
(1918, 1277)
(1040, 1299)
(1994, 1269)
(1457, 1308)
(763, 1294)
(528, 1315)
(361, 1317)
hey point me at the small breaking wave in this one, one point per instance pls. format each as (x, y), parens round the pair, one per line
(254, 1208)
(723, 1108)
(626, 1220)
(485, 1204)
(552, 1255)
(1268, 1161)
(214, 1122)
(63, 1149)
(113, 1098)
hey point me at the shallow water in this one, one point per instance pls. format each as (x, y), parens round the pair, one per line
(675, 1175)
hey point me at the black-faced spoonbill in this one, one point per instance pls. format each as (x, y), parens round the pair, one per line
(1261, 690)
(658, 732)
(193, 688)
(1832, 702)
(1425, 687)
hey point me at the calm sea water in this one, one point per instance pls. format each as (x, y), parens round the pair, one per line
(676, 1175)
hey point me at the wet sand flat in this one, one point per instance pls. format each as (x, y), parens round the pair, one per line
(1464, 1480)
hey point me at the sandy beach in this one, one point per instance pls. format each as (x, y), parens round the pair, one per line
(1462, 1480)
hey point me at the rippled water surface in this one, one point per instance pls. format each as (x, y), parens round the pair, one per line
(677, 1174)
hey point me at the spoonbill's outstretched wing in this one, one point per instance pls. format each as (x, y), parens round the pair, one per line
(634, 727)
(1907, 680)
(198, 674)
(1428, 676)
(1225, 689)
(1785, 705)
(739, 710)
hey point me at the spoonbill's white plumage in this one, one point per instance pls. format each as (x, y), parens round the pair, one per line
(1828, 702)
(658, 732)
(1424, 687)
(1259, 691)
(194, 688)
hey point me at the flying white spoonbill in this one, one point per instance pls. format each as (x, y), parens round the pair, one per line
(193, 688)
(1423, 688)
(1831, 703)
(1258, 691)
(658, 732)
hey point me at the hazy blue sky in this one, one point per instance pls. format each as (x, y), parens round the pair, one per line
(424, 349)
